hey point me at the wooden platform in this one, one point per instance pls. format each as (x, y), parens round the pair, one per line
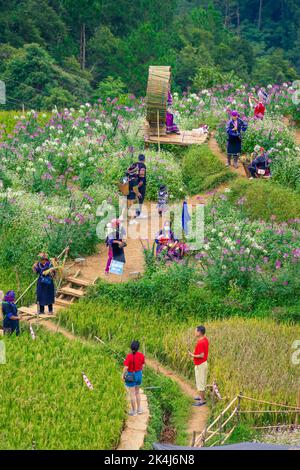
(184, 138)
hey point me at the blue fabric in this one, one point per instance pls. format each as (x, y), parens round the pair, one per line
(138, 376)
(10, 310)
(45, 291)
(185, 218)
(234, 141)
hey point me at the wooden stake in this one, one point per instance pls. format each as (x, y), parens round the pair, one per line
(158, 136)
(298, 406)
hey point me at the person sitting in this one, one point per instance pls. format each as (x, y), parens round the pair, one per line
(166, 241)
(259, 163)
(10, 314)
(170, 124)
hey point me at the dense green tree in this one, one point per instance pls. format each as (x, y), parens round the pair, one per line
(32, 77)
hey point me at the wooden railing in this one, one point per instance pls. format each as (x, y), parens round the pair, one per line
(219, 431)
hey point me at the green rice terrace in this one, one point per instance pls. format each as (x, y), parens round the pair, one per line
(57, 168)
(149, 229)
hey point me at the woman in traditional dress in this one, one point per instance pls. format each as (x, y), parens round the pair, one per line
(45, 285)
(235, 128)
(116, 242)
(170, 125)
(10, 314)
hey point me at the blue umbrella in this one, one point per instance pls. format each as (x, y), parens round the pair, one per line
(185, 218)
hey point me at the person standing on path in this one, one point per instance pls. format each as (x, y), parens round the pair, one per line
(142, 184)
(235, 128)
(132, 376)
(45, 285)
(134, 193)
(200, 357)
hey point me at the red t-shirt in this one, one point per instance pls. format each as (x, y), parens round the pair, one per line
(259, 110)
(134, 362)
(201, 347)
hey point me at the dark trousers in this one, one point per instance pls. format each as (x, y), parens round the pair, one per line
(42, 308)
(252, 171)
(141, 200)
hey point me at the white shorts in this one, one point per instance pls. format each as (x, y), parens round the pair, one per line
(201, 376)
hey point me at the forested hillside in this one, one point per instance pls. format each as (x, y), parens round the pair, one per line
(68, 51)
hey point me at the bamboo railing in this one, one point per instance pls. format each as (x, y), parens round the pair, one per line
(216, 432)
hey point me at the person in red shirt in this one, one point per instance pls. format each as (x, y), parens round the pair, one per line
(132, 376)
(260, 104)
(200, 357)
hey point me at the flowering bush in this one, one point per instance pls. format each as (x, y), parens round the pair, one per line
(260, 255)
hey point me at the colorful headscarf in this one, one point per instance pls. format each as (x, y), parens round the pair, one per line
(10, 296)
(43, 256)
(234, 113)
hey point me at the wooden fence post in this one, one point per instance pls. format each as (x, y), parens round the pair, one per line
(238, 407)
(298, 406)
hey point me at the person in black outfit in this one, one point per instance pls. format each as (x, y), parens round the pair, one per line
(142, 183)
(134, 194)
(10, 314)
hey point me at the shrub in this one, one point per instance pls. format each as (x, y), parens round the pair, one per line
(203, 170)
(264, 199)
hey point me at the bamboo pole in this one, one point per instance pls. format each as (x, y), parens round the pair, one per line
(298, 406)
(33, 282)
(158, 136)
(228, 435)
(271, 403)
(224, 411)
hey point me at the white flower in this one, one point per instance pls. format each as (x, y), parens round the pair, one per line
(227, 190)
(220, 234)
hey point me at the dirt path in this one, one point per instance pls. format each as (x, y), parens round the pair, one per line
(199, 415)
(214, 147)
(93, 267)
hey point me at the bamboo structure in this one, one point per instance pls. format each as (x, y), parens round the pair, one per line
(157, 96)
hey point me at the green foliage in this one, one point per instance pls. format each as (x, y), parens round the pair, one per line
(42, 383)
(210, 76)
(205, 45)
(203, 170)
(33, 78)
(264, 199)
(168, 406)
(110, 88)
(241, 349)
